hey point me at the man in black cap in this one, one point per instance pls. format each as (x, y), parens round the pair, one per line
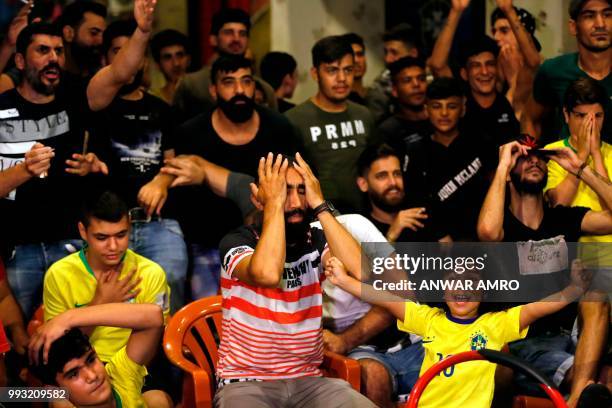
(591, 24)
(513, 28)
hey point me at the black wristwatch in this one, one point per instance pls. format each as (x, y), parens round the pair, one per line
(324, 206)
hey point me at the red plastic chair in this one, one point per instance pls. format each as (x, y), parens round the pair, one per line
(191, 340)
(497, 358)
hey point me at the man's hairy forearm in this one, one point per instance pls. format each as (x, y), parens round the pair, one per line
(372, 323)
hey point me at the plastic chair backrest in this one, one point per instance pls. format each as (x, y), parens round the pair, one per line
(195, 330)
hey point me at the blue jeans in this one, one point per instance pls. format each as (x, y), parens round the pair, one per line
(162, 242)
(403, 366)
(550, 354)
(26, 268)
(205, 271)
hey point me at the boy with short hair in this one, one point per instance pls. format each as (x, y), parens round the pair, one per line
(461, 328)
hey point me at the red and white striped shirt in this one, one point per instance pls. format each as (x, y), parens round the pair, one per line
(272, 333)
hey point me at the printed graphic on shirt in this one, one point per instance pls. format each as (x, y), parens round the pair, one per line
(340, 136)
(459, 179)
(543, 257)
(141, 154)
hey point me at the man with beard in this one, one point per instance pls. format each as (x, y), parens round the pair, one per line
(333, 129)
(358, 90)
(410, 122)
(522, 171)
(82, 24)
(591, 24)
(232, 135)
(229, 35)
(133, 135)
(381, 178)
(44, 151)
(170, 49)
(271, 287)
(400, 41)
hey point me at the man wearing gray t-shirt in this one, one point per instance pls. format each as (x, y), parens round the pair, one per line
(334, 130)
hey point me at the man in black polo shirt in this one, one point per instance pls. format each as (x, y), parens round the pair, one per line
(527, 218)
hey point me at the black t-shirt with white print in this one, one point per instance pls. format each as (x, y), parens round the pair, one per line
(496, 125)
(43, 209)
(134, 134)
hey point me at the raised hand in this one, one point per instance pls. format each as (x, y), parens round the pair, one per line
(45, 335)
(504, 5)
(152, 197)
(38, 159)
(567, 159)
(314, 195)
(584, 137)
(460, 5)
(272, 180)
(509, 154)
(19, 23)
(82, 165)
(144, 11)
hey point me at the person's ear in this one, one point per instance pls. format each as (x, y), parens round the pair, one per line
(573, 28)
(314, 73)
(394, 91)
(254, 200)
(362, 183)
(82, 231)
(566, 115)
(68, 33)
(212, 39)
(20, 61)
(463, 73)
(212, 89)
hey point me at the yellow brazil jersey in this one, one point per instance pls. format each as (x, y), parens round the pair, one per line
(71, 283)
(126, 378)
(468, 384)
(585, 197)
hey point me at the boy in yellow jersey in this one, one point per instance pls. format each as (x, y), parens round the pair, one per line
(60, 354)
(105, 271)
(460, 329)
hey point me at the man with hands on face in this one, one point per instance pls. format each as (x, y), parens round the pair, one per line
(271, 287)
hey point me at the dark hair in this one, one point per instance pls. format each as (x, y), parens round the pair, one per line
(74, 13)
(73, 344)
(354, 38)
(444, 88)
(585, 91)
(105, 206)
(330, 49)
(405, 62)
(576, 6)
(230, 15)
(526, 19)
(275, 66)
(478, 46)
(120, 28)
(405, 33)
(372, 153)
(166, 38)
(228, 63)
(26, 35)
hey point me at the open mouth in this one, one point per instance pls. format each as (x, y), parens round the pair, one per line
(51, 74)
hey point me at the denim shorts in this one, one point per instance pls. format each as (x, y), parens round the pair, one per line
(403, 365)
(550, 354)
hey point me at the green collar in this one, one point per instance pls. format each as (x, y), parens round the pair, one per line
(84, 260)
(566, 143)
(118, 403)
(87, 266)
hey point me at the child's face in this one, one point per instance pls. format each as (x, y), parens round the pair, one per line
(444, 114)
(463, 301)
(86, 380)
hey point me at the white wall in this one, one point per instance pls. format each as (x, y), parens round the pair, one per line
(297, 24)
